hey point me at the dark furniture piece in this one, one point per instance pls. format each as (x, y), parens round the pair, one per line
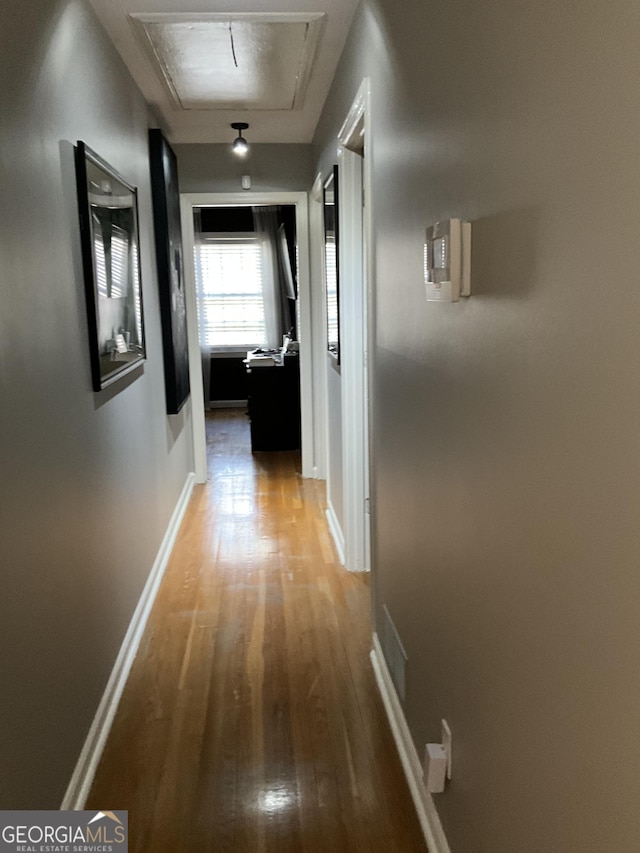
(228, 379)
(274, 405)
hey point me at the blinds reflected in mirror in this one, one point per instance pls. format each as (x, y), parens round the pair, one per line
(330, 260)
(113, 266)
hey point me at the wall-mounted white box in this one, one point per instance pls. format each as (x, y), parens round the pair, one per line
(447, 261)
(435, 768)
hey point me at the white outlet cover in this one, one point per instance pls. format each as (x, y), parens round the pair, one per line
(447, 745)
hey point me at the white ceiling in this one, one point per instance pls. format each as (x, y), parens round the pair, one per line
(202, 66)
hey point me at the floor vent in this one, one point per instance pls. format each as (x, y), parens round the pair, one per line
(394, 653)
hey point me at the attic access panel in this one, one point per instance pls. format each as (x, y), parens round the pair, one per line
(238, 62)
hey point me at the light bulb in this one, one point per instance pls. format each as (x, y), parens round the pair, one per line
(240, 146)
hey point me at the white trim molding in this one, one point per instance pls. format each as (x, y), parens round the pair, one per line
(196, 379)
(422, 800)
(336, 531)
(227, 404)
(87, 764)
(356, 239)
(358, 111)
(318, 330)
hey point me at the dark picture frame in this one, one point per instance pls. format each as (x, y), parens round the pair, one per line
(108, 214)
(330, 206)
(168, 237)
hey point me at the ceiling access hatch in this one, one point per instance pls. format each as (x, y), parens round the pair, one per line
(232, 62)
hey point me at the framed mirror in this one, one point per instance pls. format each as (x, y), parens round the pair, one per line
(108, 211)
(332, 262)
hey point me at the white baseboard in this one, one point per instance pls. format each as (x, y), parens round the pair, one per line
(336, 531)
(227, 404)
(87, 763)
(422, 800)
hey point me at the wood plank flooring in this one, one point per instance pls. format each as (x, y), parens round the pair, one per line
(251, 720)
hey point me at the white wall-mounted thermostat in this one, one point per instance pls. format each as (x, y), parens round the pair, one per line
(447, 261)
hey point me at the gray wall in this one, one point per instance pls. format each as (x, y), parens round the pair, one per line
(273, 168)
(89, 481)
(507, 483)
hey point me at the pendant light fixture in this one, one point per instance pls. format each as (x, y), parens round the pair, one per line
(240, 145)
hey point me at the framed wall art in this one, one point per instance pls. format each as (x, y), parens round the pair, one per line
(173, 316)
(108, 211)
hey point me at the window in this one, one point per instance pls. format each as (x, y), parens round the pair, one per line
(229, 287)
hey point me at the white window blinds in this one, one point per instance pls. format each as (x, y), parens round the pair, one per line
(230, 294)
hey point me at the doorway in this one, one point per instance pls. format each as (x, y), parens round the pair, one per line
(246, 280)
(191, 201)
(354, 164)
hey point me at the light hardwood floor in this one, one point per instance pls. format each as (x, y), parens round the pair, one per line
(251, 720)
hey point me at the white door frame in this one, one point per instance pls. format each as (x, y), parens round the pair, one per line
(187, 202)
(319, 333)
(355, 268)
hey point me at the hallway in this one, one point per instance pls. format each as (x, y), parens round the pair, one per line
(251, 720)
